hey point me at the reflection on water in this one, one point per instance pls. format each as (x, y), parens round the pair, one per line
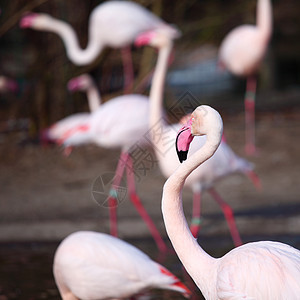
(26, 271)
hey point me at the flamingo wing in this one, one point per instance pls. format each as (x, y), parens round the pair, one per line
(121, 122)
(261, 270)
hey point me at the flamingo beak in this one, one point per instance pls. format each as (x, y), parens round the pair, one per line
(183, 140)
(27, 20)
(144, 38)
(73, 85)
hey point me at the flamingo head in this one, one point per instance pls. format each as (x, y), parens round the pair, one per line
(35, 20)
(158, 38)
(80, 83)
(7, 84)
(183, 140)
(177, 285)
(204, 121)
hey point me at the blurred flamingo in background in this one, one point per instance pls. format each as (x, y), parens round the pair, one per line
(85, 83)
(66, 127)
(79, 121)
(242, 52)
(258, 270)
(92, 265)
(113, 24)
(7, 84)
(121, 122)
(163, 136)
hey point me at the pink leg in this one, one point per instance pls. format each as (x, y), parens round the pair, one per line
(196, 219)
(112, 201)
(128, 69)
(255, 179)
(250, 148)
(228, 213)
(140, 208)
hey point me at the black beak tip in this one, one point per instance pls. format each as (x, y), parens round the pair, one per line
(182, 155)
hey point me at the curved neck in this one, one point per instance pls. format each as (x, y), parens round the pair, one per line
(264, 18)
(197, 262)
(94, 98)
(76, 54)
(156, 121)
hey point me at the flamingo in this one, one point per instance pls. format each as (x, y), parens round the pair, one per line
(223, 163)
(85, 83)
(114, 24)
(257, 270)
(121, 122)
(242, 52)
(67, 126)
(93, 265)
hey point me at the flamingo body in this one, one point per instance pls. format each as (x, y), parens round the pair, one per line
(112, 126)
(121, 22)
(91, 265)
(258, 270)
(113, 23)
(121, 122)
(242, 50)
(118, 123)
(69, 127)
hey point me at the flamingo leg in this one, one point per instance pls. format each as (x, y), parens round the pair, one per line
(255, 179)
(250, 148)
(140, 208)
(196, 218)
(128, 69)
(112, 200)
(228, 213)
